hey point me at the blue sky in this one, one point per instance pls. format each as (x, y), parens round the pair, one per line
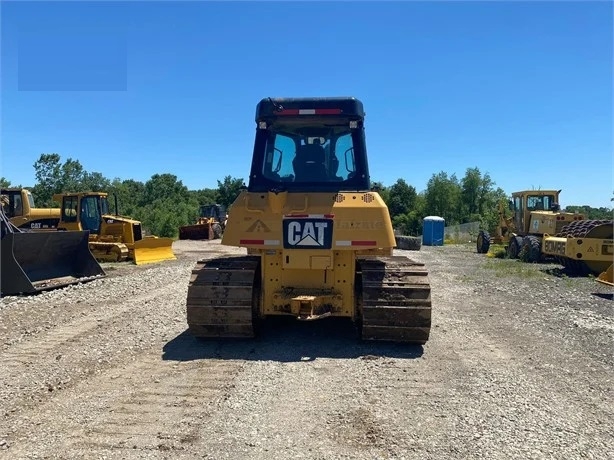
(522, 90)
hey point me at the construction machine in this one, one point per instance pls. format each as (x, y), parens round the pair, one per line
(607, 277)
(22, 212)
(584, 248)
(32, 262)
(534, 213)
(112, 237)
(319, 241)
(209, 226)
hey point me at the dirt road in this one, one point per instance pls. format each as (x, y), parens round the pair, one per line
(519, 365)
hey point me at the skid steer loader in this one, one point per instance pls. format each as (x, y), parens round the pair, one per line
(209, 226)
(112, 238)
(319, 241)
(32, 262)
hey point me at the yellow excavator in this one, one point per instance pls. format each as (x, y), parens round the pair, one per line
(319, 241)
(32, 262)
(112, 238)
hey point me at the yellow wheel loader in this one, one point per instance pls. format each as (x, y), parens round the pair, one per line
(209, 226)
(533, 214)
(112, 238)
(319, 241)
(32, 262)
(22, 212)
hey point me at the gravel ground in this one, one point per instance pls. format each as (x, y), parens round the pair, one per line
(519, 365)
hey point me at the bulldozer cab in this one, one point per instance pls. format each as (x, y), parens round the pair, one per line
(83, 212)
(309, 145)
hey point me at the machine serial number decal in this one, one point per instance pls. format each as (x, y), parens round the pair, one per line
(308, 233)
(346, 224)
(555, 247)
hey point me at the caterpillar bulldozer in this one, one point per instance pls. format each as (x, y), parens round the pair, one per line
(533, 214)
(22, 212)
(112, 238)
(319, 240)
(584, 248)
(209, 226)
(32, 262)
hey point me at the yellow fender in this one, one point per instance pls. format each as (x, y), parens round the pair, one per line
(153, 249)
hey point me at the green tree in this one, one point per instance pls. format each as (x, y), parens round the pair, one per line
(592, 213)
(4, 182)
(475, 189)
(129, 195)
(443, 197)
(402, 198)
(53, 176)
(228, 190)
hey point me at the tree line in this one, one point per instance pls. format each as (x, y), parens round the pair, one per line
(164, 203)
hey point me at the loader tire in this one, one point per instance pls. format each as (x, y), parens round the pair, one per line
(483, 242)
(531, 249)
(411, 243)
(217, 231)
(514, 247)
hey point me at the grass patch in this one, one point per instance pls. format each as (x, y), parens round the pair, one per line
(511, 267)
(496, 251)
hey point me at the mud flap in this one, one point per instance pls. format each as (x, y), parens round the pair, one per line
(153, 249)
(38, 261)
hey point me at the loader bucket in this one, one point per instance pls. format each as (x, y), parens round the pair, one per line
(153, 249)
(39, 261)
(196, 232)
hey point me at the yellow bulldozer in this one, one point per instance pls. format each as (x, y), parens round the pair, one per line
(533, 214)
(209, 226)
(32, 262)
(23, 214)
(112, 238)
(319, 240)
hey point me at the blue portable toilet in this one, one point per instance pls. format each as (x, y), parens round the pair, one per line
(433, 231)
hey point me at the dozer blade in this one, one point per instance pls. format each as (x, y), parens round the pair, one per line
(39, 261)
(152, 249)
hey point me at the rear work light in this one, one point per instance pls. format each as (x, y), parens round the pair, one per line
(310, 112)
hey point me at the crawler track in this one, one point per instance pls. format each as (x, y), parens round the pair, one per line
(395, 299)
(221, 297)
